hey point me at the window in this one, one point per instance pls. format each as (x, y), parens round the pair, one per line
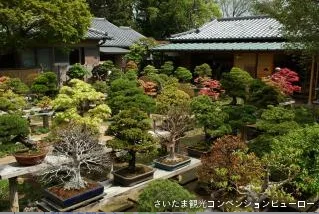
(28, 58)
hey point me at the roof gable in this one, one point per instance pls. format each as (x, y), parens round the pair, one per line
(120, 36)
(241, 28)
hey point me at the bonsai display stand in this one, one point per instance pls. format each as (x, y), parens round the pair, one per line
(49, 206)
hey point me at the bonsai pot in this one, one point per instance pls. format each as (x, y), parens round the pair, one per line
(123, 177)
(30, 158)
(195, 152)
(163, 163)
(67, 198)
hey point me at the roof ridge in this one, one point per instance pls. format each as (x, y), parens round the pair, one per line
(244, 17)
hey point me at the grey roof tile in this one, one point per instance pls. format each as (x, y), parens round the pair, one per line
(254, 27)
(119, 36)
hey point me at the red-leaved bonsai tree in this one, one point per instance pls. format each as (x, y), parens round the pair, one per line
(284, 80)
(209, 87)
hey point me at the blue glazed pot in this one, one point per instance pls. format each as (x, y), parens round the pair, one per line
(98, 190)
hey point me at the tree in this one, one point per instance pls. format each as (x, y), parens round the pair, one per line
(29, 22)
(284, 81)
(300, 22)
(118, 12)
(241, 115)
(13, 84)
(80, 102)
(236, 8)
(130, 131)
(81, 147)
(211, 116)
(164, 190)
(209, 87)
(177, 121)
(203, 70)
(45, 84)
(183, 74)
(125, 94)
(170, 97)
(167, 68)
(236, 83)
(155, 18)
(77, 71)
(13, 126)
(149, 69)
(103, 71)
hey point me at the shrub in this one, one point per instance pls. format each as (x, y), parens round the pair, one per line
(15, 85)
(100, 86)
(77, 71)
(149, 70)
(12, 125)
(101, 72)
(164, 191)
(45, 84)
(203, 70)
(167, 68)
(209, 87)
(236, 83)
(183, 74)
(187, 88)
(11, 102)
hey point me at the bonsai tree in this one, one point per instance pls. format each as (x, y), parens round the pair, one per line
(45, 84)
(150, 88)
(164, 191)
(11, 102)
(124, 94)
(232, 172)
(130, 130)
(183, 74)
(101, 72)
(211, 117)
(80, 102)
(262, 95)
(100, 86)
(140, 50)
(203, 70)
(236, 83)
(77, 143)
(274, 121)
(170, 96)
(13, 84)
(176, 122)
(167, 68)
(45, 103)
(77, 71)
(209, 87)
(284, 81)
(149, 69)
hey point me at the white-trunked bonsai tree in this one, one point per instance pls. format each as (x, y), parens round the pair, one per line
(77, 149)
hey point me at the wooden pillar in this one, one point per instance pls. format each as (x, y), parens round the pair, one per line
(46, 121)
(311, 81)
(317, 77)
(13, 195)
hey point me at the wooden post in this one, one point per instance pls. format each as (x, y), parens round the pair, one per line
(46, 121)
(311, 81)
(13, 195)
(317, 77)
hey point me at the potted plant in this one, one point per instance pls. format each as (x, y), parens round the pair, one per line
(130, 131)
(176, 122)
(45, 104)
(14, 128)
(212, 118)
(78, 149)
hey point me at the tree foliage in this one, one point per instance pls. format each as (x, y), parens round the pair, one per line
(203, 70)
(77, 71)
(9, 100)
(118, 12)
(167, 68)
(13, 84)
(140, 50)
(11, 126)
(211, 116)
(236, 8)
(183, 74)
(29, 22)
(164, 190)
(125, 94)
(209, 87)
(45, 84)
(161, 19)
(80, 102)
(130, 130)
(236, 83)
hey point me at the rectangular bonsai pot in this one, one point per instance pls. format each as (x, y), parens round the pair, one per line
(193, 152)
(63, 203)
(132, 181)
(169, 167)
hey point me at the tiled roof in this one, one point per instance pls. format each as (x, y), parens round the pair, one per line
(120, 36)
(244, 46)
(96, 34)
(253, 27)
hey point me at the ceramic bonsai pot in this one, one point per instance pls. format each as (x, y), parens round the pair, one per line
(162, 164)
(79, 196)
(196, 153)
(129, 181)
(30, 158)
